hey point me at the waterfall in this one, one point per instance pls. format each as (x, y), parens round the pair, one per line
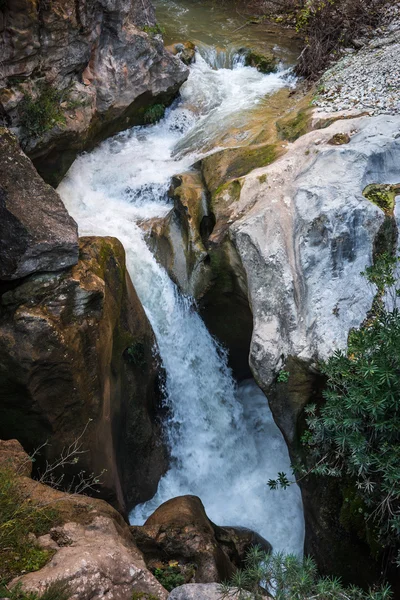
(223, 441)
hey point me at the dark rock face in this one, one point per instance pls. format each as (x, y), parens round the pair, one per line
(76, 355)
(36, 231)
(100, 59)
(180, 530)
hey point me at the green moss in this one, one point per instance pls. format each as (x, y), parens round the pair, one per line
(353, 519)
(154, 29)
(382, 195)
(170, 576)
(233, 188)
(135, 354)
(262, 178)
(154, 113)
(291, 129)
(339, 139)
(40, 114)
(265, 63)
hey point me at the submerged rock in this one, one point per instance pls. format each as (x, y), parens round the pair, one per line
(74, 72)
(77, 362)
(36, 231)
(180, 530)
(92, 549)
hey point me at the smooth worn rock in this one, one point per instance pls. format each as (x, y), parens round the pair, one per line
(106, 61)
(179, 530)
(36, 231)
(201, 591)
(77, 362)
(92, 549)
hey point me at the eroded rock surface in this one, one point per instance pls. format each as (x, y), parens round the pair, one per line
(200, 591)
(93, 549)
(180, 530)
(105, 58)
(77, 355)
(36, 231)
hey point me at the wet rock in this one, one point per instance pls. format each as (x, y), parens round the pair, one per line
(303, 242)
(263, 62)
(104, 59)
(180, 530)
(36, 231)
(93, 550)
(77, 362)
(185, 51)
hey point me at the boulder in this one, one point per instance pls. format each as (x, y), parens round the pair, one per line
(93, 67)
(91, 546)
(77, 366)
(36, 231)
(201, 591)
(179, 530)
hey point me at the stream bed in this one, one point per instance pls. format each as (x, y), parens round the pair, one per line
(224, 444)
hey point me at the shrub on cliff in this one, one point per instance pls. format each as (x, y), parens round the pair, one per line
(38, 115)
(287, 577)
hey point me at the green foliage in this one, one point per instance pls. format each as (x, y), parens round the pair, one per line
(283, 376)
(383, 196)
(154, 29)
(357, 431)
(136, 354)
(19, 517)
(286, 577)
(154, 113)
(58, 590)
(38, 115)
(170, 577)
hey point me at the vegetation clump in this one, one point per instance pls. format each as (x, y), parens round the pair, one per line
(19, 517)
(58, 590)
(170, 576)
(355, 435)
(154, 113)
(325, 26)
(383, 196)
(40, 114)
(287, 577)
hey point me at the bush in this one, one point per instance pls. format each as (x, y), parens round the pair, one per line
(325, 26)
(19, 517)
(170, 576)
(154, 113)
(38, 115)
(287, 577)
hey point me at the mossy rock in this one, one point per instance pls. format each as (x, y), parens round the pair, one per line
(291, 128)
(339, 139)
(383, 195)
(233, 163)
(265, 63)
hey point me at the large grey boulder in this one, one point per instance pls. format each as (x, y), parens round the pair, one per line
(36, 231)
(308, 237)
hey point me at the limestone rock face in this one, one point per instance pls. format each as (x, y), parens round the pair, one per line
(180, 530)
(77, 362)
(307, 238)
(98, 54)
(93, 549)
(36, 231)
(200, 591)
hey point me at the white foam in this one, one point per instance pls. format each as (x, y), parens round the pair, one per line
(224, 443)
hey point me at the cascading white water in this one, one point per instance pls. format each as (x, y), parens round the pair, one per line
(223, 441)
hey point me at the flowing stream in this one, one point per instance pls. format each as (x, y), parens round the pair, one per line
(223, 441)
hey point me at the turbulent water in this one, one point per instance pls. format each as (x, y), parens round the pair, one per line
(224, 443)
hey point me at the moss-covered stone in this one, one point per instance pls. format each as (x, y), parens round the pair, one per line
(265, 63)
(339, 139)
(383, 195)
(291, 128)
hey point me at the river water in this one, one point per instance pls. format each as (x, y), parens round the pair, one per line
(223, 442)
